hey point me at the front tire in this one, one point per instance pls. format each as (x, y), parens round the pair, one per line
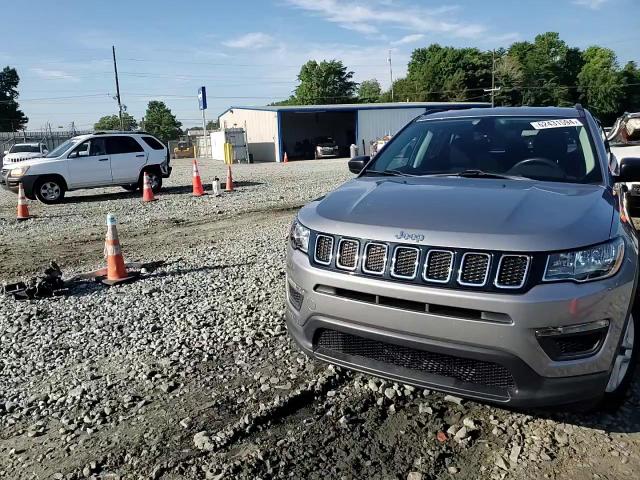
(49, 190)
(624, 364)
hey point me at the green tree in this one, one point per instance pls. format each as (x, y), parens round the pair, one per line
(112, 122)
(11, 117)
(324, 83)
(510, 79)
(404, 90)
(550, 69)
(213, 125)
(631, 83)
(447, 73)
(600, 83)
(369, 91)
(159, 121)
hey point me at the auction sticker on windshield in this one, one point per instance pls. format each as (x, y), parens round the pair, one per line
(556, 123)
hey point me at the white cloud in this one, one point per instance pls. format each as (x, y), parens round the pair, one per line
(250, 40)
(369, 17)
(413, 38)
(592, 4)
(54, 74)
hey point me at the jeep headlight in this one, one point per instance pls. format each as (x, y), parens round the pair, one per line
(593, 263)
(18, 172)
(299, 236)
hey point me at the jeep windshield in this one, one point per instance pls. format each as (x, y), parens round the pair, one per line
(25, 149)
(540, 148)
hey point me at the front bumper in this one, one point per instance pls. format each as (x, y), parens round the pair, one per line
(11, 184)
(511, 344)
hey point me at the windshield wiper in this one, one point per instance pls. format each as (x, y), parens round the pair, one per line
(472, 173)
(389, 173)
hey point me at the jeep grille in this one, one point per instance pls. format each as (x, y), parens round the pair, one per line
(405, 262)
(324, 249)
(473, 269)
(347, 254)
(375, 258)
(512, 271)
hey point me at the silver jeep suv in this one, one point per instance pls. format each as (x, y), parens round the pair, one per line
(484, 252)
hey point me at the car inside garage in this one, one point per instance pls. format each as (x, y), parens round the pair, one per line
(303, 130)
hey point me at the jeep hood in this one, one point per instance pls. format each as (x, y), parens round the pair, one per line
(487, 214)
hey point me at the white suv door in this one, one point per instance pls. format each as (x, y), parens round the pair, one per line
(88, 165)
(127, 158)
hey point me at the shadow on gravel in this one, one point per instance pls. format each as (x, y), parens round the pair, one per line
(172, 190)
(626, 419)
(89, 287)
(204, 268)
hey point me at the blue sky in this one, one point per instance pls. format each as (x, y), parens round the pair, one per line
(249, 52)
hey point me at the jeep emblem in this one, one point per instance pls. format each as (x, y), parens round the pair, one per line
(414, 237)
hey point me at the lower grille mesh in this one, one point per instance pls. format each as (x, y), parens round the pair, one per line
(462, 369)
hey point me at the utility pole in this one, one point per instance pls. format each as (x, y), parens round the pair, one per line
(493, 88)
(391, 74)
(115, 69)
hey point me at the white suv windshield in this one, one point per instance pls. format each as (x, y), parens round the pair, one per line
(25, 149)
(531, 147)
(60, 149)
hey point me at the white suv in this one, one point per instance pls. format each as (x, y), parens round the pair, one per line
(100, 159)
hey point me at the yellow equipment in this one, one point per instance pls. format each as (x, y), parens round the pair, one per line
(183, 150)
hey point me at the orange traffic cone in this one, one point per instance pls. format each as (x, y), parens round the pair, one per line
(147, 191)
(229, 187)
(198, 190)
(23, 209)
(286, 158)
(116, 269)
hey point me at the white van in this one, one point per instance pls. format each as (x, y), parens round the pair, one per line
(100, 159)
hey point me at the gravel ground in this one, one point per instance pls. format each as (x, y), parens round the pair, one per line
(189, 373)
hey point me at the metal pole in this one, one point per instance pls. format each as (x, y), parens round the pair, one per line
(204, 132)
(391, 75)
(115, 69)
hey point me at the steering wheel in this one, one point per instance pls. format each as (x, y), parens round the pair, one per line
(529, 167)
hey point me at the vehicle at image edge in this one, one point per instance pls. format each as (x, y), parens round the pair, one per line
(326, 147)
(24, 151)
(624, 139)
(484, 253)
(99, 159)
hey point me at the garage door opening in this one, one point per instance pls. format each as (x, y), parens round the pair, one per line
(301, 132)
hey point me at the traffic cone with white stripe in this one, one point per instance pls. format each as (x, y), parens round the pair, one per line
(286, 158)
(229, 187)
(116, 269)
(147, 191)
(23, 208)
(198, 190)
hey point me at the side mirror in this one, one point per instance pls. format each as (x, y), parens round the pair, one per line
(356, 164)
(45, 152)
(6, 152)
(628, 170)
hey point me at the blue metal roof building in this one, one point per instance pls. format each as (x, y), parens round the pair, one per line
(295, 129)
